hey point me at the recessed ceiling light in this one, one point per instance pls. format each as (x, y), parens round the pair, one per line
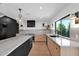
(41, 7)
(20, 20)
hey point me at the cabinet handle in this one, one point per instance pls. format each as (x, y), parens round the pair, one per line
(56, 48)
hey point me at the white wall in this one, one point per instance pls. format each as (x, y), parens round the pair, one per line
(71, 8)
(38, 24)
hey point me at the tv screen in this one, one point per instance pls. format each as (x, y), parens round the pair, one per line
(30, 23)
(62, 27)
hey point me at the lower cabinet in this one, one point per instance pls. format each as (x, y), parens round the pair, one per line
(40, 38)
(22, 50)
(54, 49)
(70, 51)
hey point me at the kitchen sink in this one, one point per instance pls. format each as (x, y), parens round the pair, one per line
(54, 35)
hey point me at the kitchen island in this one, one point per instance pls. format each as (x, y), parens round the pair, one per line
(60, 46)
(16, 46)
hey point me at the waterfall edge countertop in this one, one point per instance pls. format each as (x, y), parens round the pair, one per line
(64, 42)
(10, 44)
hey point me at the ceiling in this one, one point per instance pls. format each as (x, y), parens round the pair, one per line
(35, 11)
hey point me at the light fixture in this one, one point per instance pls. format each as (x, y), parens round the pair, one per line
(77, 14)
(41, 7)
(20, 20)
(75, 17)
(20, 15)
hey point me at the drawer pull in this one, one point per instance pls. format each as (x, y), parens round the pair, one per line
(56, 48)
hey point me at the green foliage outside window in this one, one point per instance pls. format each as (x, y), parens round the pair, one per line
(63, 27)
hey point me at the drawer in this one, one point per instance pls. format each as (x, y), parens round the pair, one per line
(39, 37)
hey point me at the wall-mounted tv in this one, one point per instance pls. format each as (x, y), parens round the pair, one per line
(62, 27)
(30, 23)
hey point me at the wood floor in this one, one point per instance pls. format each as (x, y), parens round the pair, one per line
(39, 48)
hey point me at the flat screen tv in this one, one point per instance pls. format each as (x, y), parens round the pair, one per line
(62, 27)
(30, 23)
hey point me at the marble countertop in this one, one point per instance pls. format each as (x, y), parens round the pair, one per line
(10, 44)
(64, 42)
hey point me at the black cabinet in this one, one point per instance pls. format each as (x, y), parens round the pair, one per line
(8, 27)
(22, 50)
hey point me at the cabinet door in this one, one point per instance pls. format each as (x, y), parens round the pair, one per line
(22, 50)
(53, 48)
(40, 38)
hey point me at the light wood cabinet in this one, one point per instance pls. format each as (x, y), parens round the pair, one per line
(70, 51)
(40, 38)
(54, 49)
